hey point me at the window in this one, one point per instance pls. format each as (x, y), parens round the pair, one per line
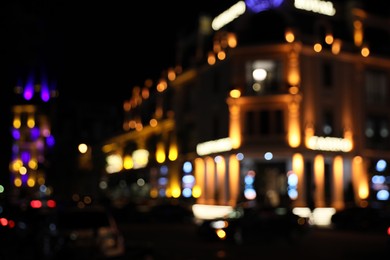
(328, 125)
(250, 123)
(215, 128)
(376, 87)
(263, 76)
(377, 132)
(327, 75)
(264, 122)
(279, 122)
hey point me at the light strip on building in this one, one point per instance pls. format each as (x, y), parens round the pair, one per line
(228, 15)
(327, 143)
(215, 146)
(316, 6)
(205, 211)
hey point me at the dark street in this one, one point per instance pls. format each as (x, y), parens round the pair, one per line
(179, 241)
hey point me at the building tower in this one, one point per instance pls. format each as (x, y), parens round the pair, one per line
(32, 139)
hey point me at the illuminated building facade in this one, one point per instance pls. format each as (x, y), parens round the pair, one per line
(289, 107)
(32, 140)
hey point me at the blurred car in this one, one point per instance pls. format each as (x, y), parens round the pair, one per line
(89, 233)
(388, 235)
(250, 224)
(170, 211)
(359, 218)
(28, 228)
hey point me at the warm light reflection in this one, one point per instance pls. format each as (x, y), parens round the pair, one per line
(221, 180)
(128, 162)
(83, 148)
(30, 121)
(160, 153)
(30, 182)
(211, 58)
(210, 191)
(196, 192)
(293, 90)
(329, 39)
(234, 123)
(231, 40)
(293, 67)
(33, 164)
(153, 193)
(200, 181)
(360, 179)
(162, 85)
(16, 164)
(153, 122)
(317, 47)
(294, 135)
(336, 46)
(298, 169)
(17, 182)
(17, 123)
(365, 51)
(235, 93)
(23, 170)
(173, 151)
(234, 179)
(175, 191)
(221, 55)
(145, 93)
(171, 74)
(358, 33)
(319, 181)
(221, 234)
(289, 36)
(363, 190)
(338, 182)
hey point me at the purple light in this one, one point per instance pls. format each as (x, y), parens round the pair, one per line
(15, 149)
(29, 89)
(24, 178)
(15, 134)
(25, 156)
(45, 92)
(257, 6)
(50, 141)
(35, 133)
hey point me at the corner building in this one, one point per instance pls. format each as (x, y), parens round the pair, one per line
(287, 105)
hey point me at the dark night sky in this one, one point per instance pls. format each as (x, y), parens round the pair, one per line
(96, 46)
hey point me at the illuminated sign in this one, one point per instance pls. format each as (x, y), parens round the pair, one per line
(216, 146)
(203, 211)
(316, 6)
(114, 163)
(257, 6)
(333, 144)
(228, 15)
(140, 158)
